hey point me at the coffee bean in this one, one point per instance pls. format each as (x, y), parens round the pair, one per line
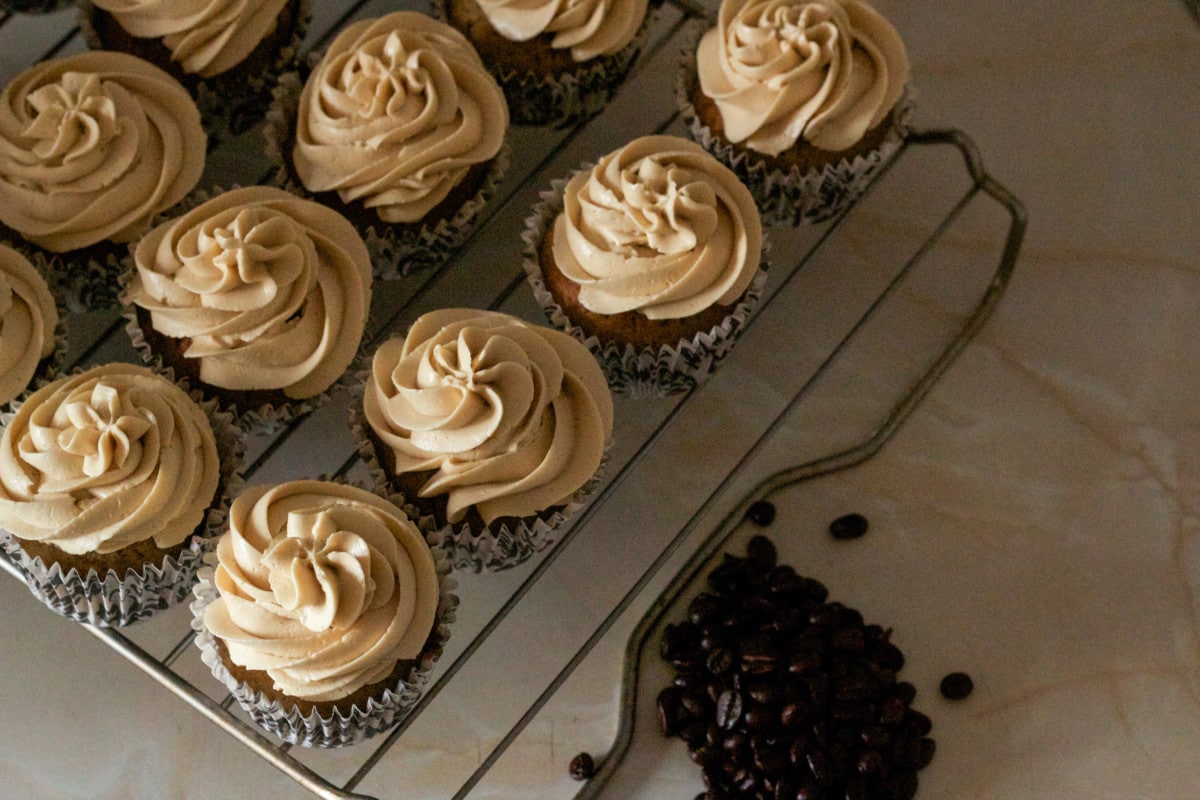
(849, 526)
(956, 686)
(927, 749)
(761, 513)
(729, 709)
(720, 660)
(583, 767)
(869, 762)
(761, 551)
(821, 768)
(669, 710)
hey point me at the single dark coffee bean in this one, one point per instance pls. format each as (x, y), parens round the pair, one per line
(821, 768)
(761, 551)
(703, 608)
(927, 749)
(761, 513)
(670, 710)
(956, 686)
(906, 692)
(869, 762)
(729, 709)
(720, 660)
(848, 640)
(583, 767)
(917, 722)
(849, 526)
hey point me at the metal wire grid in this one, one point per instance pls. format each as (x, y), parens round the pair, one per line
(415, 293)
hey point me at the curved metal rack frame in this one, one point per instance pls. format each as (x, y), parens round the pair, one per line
(426, 289)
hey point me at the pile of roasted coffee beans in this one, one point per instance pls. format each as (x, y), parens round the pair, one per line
(780, 694)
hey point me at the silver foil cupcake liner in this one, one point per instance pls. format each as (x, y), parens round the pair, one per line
(338, 729)
(113, 600)
(788, 197)
(487, 549)
(630, 370)
(396, 250)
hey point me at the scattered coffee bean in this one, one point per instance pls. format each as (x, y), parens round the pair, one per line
(761, 513)
(849, 526)
(761, 551)
(583, 767)
(956, 686)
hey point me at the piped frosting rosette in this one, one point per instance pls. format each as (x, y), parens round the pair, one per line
(322, 593)
(790, 73)
(503, 425)
(660, 228)
(92, 146)
(102, 461)
(32, 343)
(269, 290)
(398, 112)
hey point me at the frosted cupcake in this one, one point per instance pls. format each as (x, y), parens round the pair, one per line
(492, 428)
(804, 99)
(228, 53)
(653, 258)
(92, 146)
(256, 296)
(325, 613)
(400, 128)
(110, 483)
(558, 62)
(31, 346)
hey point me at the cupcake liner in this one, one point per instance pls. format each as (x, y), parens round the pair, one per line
(339, 729)
(229, 104)
(789, 197)
(567, 99)
(112, 600)
(491, 549)
(631, 370)
(50, 366)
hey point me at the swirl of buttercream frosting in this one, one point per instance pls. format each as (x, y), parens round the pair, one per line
(323, 586)
(395, 114)
(783, 71)
(271, 290)
(513, 418)
(590, 28)
(28, 317)
(92, 146)
(658, 226)
(206, 37)
(107, 458)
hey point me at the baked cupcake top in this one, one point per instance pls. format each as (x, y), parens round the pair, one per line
(323, 586)
(658, 226)
(107, 458)
(785, 71)
(589, 28)
(92, 146)
(511, 418)
(395, 114)
(270, 290)
(205, 37)
(28, 317)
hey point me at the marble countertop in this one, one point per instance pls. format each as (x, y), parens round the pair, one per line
(1034, 521)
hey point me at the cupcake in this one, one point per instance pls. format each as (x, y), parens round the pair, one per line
(92, 146)
(325, 613)
(804, 99)
(558, 62)
(229, 53)
(400, 128)
(653, 258)
(492, 428)
(111, 481)
(256, 296)
(29, 337)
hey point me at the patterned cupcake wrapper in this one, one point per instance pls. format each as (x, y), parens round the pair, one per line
(51, 366)
(560, 101)
(468, 547)
(395, 250)
(339, 729)
(630, 370)
(789, 197)
(112, 600)
(229, 106)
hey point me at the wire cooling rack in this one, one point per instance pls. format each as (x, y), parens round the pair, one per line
(867, 310)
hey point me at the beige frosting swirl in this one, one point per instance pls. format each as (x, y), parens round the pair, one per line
(92, 146)
(107, 458)
(28, 317)
(206, 37)
(590, 28)
(323, 586)
(271, 290)
(513, 417)
(781, 71)
(658, 226)
(395, 115)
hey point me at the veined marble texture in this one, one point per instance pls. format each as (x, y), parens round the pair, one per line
(1034, 522)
